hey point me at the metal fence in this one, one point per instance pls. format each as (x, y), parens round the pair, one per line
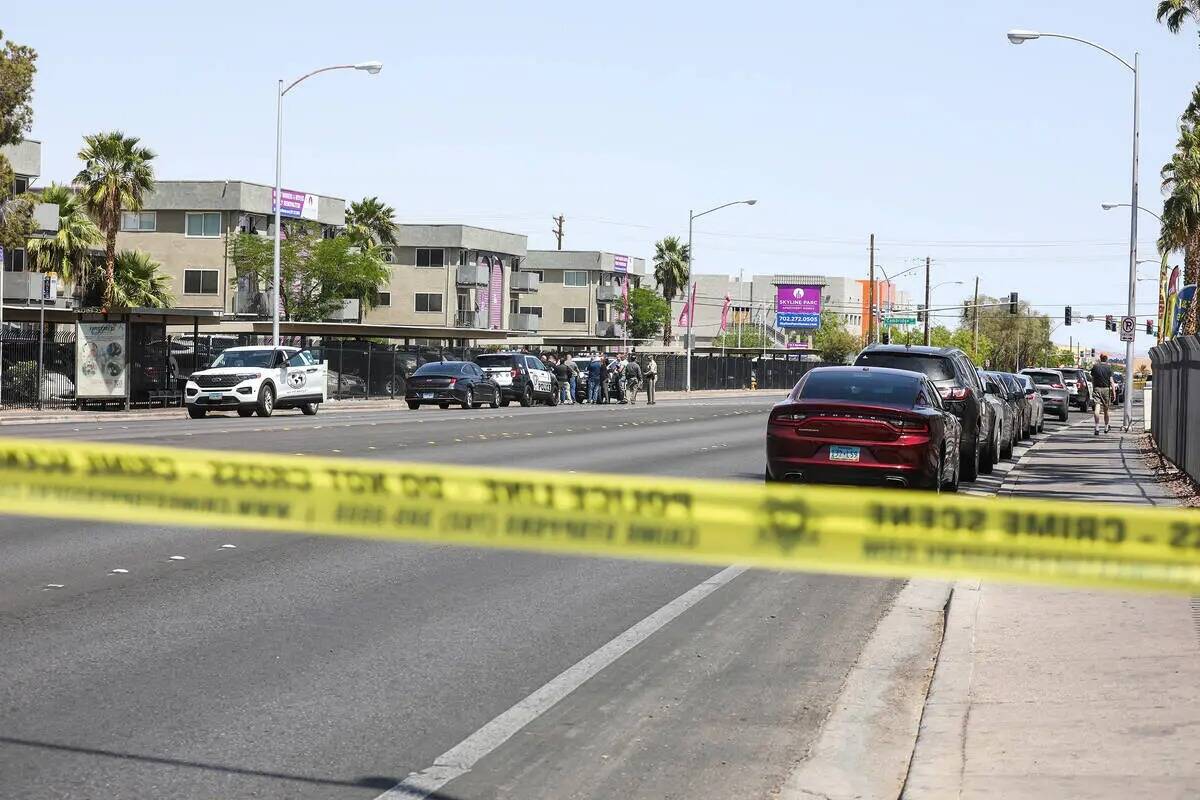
(1174, 423)
(159, 366)
(21, 385)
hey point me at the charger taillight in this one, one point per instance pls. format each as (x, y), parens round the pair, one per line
(955, 392)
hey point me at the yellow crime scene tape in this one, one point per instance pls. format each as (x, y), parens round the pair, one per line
(892, 533)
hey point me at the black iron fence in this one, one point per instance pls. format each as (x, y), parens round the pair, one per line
(159, 366)
(1174, 423)
(22, 385)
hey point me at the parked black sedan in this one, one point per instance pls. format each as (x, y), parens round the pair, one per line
(445, 382)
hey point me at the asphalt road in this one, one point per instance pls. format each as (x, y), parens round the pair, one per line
(277, 666)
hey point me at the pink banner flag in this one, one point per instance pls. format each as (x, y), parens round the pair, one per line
(685, 316)
(625, 296)
(725, 313)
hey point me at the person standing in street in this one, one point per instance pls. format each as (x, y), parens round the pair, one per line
(562, 373)
(651, 373)
(1102, 391)
(633, 378)
(605, 377)
(595, 379)
(574, 379)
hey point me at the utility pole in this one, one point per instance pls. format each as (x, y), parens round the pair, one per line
(558, 228)
(926, 301)
(871, 295)
(975, 323)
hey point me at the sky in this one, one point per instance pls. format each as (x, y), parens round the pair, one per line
(915, 121)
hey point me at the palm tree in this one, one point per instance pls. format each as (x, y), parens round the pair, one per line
(1176, 12)
(68, 252)
(369, 222)
(1181, 210)
(116, 175)
(671, 266)
(137, 283)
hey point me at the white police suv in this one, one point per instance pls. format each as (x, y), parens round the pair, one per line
(262, 379)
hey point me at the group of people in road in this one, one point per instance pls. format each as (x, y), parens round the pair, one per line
(608, 379)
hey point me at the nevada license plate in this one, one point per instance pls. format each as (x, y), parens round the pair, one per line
(838, 452)
(215, 395)
(427, 395)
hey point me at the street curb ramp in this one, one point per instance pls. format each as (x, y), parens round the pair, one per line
(867, 741)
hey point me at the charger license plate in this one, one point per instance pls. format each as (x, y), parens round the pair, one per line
(839, 452)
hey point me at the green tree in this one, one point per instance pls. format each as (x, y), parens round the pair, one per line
(116, 176)
(317, 274)
(1174, 13)
(1181, 209)
(833, 342)
(751, 338)
(17, 69)
(69, 251)
(371, 222)
(671, 260)
(1004, 337)
(137, 283)
(648, 313)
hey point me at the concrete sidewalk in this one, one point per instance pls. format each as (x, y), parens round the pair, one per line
(1046, 693)
(32, 416)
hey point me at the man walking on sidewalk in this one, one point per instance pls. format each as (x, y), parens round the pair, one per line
(651, 373)
(1102, 381)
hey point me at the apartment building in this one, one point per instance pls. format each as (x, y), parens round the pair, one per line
(21, 285)
(186, 226)
(458, 277)
(579, 293)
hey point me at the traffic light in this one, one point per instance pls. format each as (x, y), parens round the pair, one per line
(1067, 316)
(920, 312)
(1149, 328)
(886, 338)
(1093, 352)
(1109, 323)
(1012, 303)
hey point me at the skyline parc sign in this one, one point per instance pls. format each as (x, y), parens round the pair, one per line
(797, 306)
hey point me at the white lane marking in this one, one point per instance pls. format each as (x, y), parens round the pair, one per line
(53, 585)
(229, 547)
(177, 558)
(119, 571)
(459, 760)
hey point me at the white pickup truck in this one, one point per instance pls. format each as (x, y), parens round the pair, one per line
(262, 379)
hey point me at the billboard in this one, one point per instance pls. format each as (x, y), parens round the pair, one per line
(100, 360)
(620, 263)
(797, 306)
(296, 205)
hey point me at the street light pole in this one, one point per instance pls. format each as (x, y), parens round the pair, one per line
(371, 68)
(687, 298)
(927, 301)
(1022, 36)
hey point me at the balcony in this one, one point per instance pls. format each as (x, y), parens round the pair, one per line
(347, 313)
(470, 319)
(527, 323)
(525, 282)
(45, 217)
(607, 293)
(472, 275)
(26, 287)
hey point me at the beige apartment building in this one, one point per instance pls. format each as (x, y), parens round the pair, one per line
(579, 293)
(186, 226)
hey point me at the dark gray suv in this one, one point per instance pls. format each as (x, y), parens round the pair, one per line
(957, 382)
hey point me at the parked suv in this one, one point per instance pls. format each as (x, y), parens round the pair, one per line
(521, 377)
(957, 382)
(1056, 398)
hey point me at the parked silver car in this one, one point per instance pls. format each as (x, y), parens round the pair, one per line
(1037, 405)
(1050, 383)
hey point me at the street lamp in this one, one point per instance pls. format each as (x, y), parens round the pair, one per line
(1111, 206)
(687, 298)
(369, 67)
(1021, 36)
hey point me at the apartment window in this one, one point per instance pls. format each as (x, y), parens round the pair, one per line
(429, 301)
(206, 224)
(20, 185)
(575, 277)
(575, 314)
(534, 310)
(383, 299)
(464, 302)
(462, 257)
(513, 303)
(387, 255)
(139, 220)
(200, 281)
(14, 260)
(602, 312)
(431, 257)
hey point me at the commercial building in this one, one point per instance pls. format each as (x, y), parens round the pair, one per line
(186, 227)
